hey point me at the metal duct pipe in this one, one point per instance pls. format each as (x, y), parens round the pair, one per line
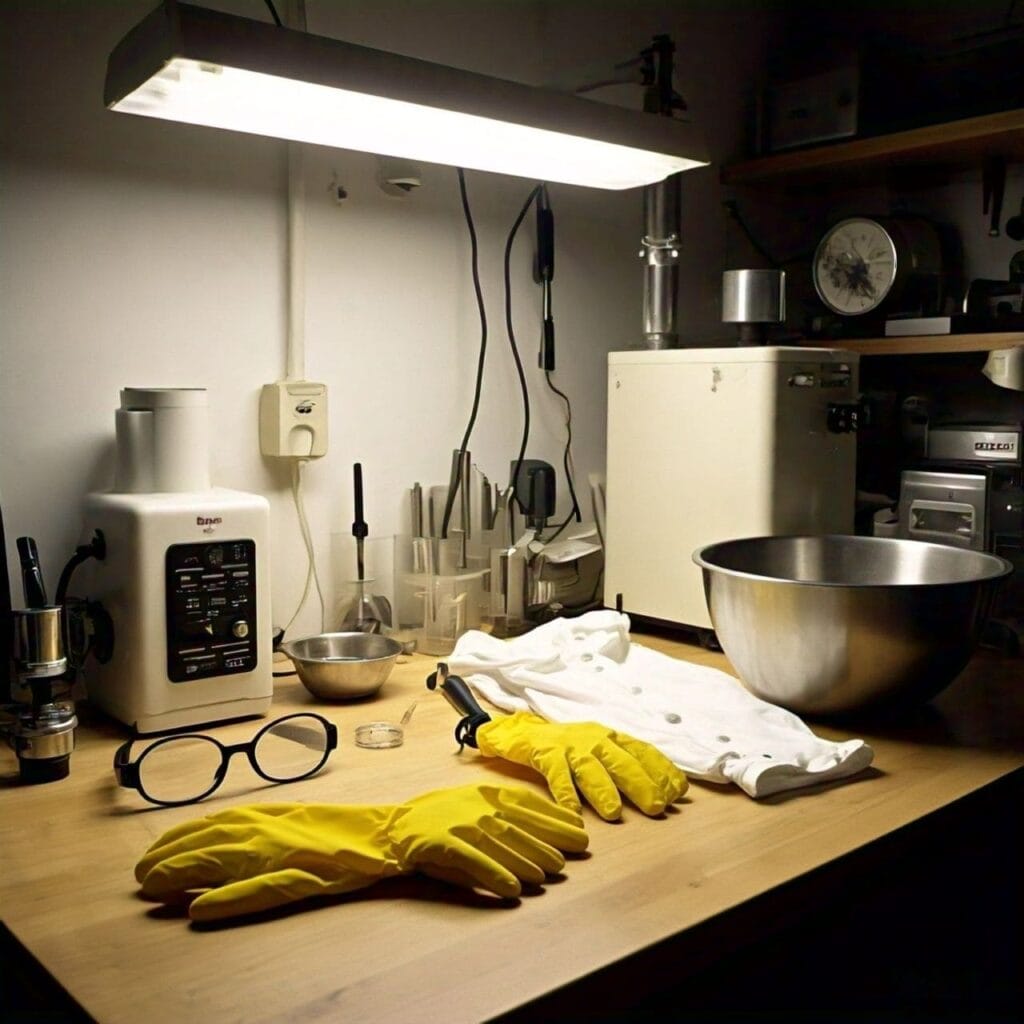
(660, 252)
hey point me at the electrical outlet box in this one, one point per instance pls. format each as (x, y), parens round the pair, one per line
(293, 419)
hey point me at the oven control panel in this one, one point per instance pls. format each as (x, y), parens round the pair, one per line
(211, 609)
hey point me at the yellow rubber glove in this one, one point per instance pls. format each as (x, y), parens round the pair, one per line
(586, 756)
(249, 859)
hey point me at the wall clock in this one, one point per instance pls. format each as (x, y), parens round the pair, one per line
(865, 265)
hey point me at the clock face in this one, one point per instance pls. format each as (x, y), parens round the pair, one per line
(854, 266)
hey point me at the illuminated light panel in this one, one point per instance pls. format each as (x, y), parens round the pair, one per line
(221, 95)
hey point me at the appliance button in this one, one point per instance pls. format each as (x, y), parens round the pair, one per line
(240, 628)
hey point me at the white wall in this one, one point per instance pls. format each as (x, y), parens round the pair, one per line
(138, 253)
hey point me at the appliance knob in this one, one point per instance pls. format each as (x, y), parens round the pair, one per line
(240, 629)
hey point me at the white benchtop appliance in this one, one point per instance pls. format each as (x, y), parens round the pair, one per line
(185, 579)
(710, 444)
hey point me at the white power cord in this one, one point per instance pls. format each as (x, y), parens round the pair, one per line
(311, 574)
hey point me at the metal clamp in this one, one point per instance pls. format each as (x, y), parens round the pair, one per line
(458, 694)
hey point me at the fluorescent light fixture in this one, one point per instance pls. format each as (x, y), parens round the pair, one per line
(187, 63)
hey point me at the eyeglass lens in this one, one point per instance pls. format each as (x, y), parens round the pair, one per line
(292, 748)
(184, 768)
(180, 768)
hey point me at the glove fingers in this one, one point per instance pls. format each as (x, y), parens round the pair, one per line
(197, 869)
(501, 849)
(530, 800)
(672, 779)
(553, 764)
(631, 778)
(515, 845)
(178, 836)
(265, 892)
(181, 843)
(457, 857)
(597, 785)
(552, 824)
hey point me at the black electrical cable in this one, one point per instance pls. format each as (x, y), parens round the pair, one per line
(733, 210)
(545, 275)
(565, 454)
(474, 262)
(512, 337)
(273, 13)
(96, 548)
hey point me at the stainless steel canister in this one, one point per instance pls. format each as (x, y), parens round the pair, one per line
(39, 642)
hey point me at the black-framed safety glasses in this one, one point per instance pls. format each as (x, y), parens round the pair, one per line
(183, 769)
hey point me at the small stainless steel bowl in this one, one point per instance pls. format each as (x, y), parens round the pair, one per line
(342, 666)
(836, 624)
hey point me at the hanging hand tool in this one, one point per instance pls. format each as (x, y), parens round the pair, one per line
(993, 184)
(545, 272)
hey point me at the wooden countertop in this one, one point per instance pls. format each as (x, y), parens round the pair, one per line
(67, 852)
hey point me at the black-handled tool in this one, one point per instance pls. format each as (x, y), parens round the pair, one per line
(545, 237)
(458, 694)
(31, 573)
(359, 527)
(545, 272)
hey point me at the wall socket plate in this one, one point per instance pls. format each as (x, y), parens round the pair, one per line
(293, 419)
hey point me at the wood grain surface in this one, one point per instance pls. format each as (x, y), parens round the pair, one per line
(412, 949)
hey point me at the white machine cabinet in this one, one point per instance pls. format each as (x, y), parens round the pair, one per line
(186, 582)
(711, 444)
(185, 579)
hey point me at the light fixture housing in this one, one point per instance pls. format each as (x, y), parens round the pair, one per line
(187, 63)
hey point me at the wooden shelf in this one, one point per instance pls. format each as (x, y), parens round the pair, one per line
(956, 144)
(931, 344)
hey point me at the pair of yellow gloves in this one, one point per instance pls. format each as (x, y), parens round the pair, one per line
(498, 838)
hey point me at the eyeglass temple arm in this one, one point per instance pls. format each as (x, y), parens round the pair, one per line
(126, 772)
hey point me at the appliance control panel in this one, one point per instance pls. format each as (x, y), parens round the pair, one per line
(211, 609)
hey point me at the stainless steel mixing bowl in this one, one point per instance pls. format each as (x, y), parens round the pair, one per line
(835, 624)
(341, 666)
